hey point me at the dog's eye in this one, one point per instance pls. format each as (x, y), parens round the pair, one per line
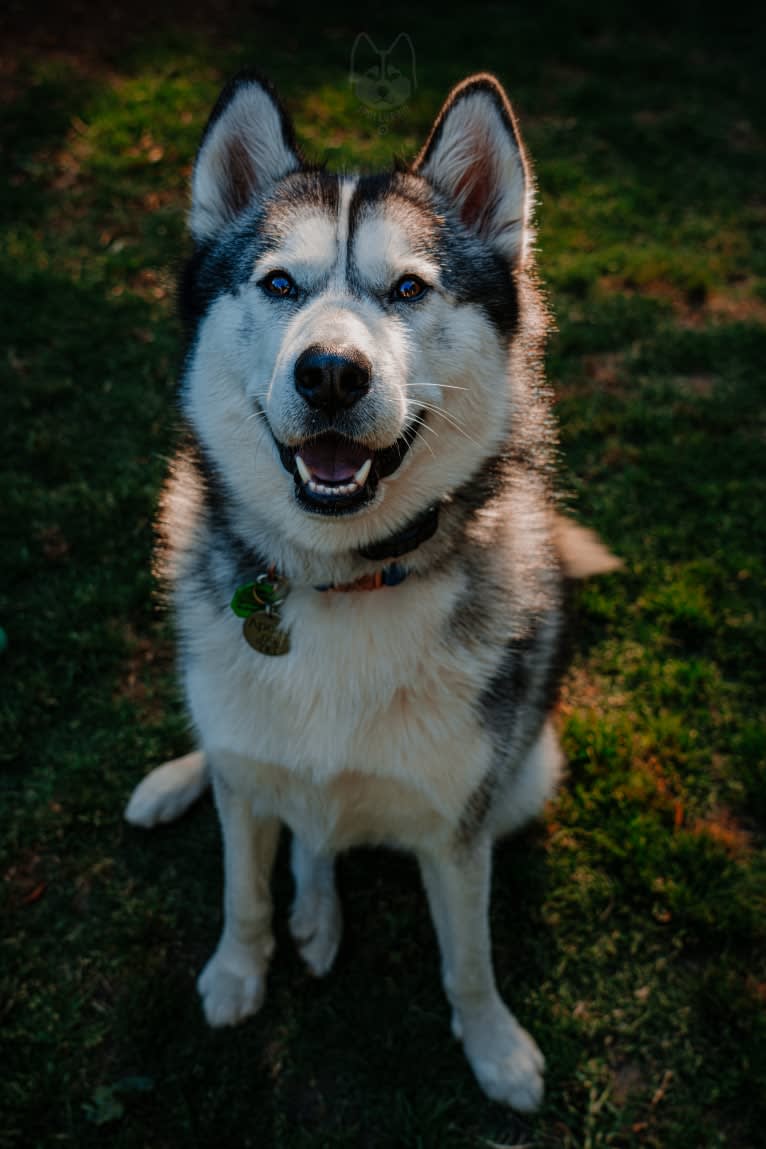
(278, 283)
(409, 287)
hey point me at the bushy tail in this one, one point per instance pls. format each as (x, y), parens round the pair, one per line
(581, 550)
(168, 791)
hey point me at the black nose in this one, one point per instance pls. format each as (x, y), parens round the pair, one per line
(332, 378)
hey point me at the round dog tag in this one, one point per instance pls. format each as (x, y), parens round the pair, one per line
(262, 632)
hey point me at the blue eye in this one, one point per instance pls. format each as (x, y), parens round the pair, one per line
(409, 288)
(279, 284)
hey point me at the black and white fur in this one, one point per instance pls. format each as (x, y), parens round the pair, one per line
(414, 715)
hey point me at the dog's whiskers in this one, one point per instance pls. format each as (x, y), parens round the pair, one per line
(419, 436)
(441, 386)
(428, 427)
(452, 422)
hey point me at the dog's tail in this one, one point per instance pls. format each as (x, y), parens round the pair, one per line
(168, 791)
(581, 551)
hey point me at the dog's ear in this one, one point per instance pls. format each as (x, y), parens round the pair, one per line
(474, 156)
(248, 145)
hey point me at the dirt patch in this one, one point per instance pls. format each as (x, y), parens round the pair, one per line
(738, 305)
(606, 369)
(697, 386)
(53, 543)
(150, 658)
(724, 829)
(26, 880)
(627, 1081)
(696, 306)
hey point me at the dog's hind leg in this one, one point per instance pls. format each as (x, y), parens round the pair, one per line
(168, 791)
(233, 983)
(507, 1063)
(316, 921)
(535, 782)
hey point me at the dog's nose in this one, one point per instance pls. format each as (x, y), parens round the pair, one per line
(332, 378)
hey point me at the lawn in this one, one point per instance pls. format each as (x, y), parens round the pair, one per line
(629, 924)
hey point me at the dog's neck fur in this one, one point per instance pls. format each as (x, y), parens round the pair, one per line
(423, 544)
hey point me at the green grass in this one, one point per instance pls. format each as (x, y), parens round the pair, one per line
(629, 925)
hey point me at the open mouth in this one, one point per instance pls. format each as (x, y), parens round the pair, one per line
(334, 474)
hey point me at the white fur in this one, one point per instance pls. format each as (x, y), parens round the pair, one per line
(233, 983)
(168, 791)
(393, 695)
(250, 122)
(474, 139)
(316, 920)
(507, 1063)
(367, 730)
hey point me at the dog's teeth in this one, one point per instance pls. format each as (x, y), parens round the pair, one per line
(303, 470)
(336, 489)
(360, 478)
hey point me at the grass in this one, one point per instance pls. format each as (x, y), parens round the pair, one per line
(629, 924)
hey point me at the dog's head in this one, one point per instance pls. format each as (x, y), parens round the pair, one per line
(348, 363)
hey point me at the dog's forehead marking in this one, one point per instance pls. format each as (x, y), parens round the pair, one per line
(384, 247)
(311, 240)
(347, 189)
(307, 243)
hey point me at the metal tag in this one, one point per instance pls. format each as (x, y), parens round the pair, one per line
(262, 632)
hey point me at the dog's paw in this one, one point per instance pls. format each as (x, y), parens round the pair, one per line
(506, 1060)
(316, 923)
(232, 987)
(168, 791)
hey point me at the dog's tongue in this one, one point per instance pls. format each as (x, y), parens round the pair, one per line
(334, 459)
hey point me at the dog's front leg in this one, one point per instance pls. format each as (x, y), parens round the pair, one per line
(316, 920)
(507, 1063)
(233, 983)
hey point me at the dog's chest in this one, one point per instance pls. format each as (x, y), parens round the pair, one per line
(368, 723)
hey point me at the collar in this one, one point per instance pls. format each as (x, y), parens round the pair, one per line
(410, 537)
(389, 576)
(267, 592)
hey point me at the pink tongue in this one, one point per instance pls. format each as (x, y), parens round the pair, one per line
(334, 459)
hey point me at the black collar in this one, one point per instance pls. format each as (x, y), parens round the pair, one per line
(410, 537)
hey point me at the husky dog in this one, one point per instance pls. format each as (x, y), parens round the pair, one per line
(360, 536)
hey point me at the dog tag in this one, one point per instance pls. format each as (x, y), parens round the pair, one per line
(262, 632)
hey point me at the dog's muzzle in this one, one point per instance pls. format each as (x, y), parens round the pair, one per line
(336, 473)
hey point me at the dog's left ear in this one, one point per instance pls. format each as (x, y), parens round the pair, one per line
(247, 146)
(474, 156)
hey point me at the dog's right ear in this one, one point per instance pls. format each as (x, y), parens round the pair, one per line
(475, 157)
(248, 145)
